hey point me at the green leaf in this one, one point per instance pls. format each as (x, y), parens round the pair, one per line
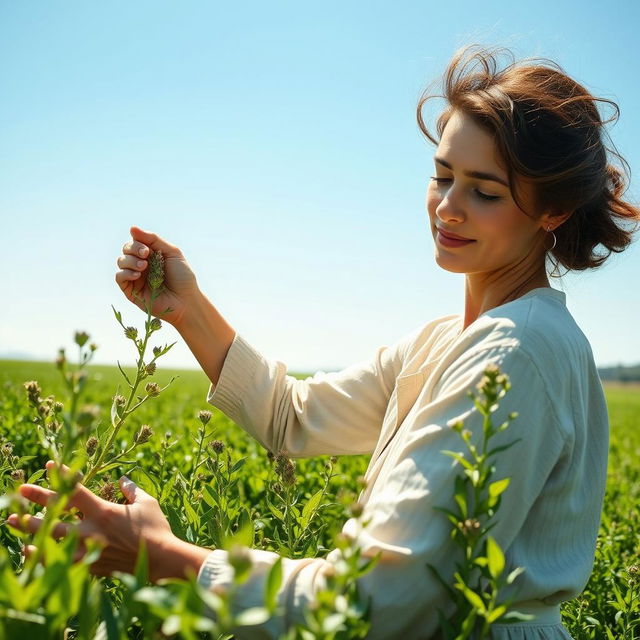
(272, 584)
(309, 510)
(460, 458)
(496, 613)
(473, 598)
(238, 465)
(498, 487)
(252, 616)
(192, 516)
(495, 557)
(36, 476)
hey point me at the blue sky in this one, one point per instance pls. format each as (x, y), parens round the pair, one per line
(276, 144)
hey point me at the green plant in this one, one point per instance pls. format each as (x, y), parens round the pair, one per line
(477, 495)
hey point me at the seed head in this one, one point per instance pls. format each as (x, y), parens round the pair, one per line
(33, 391)
(17, 475)
(155, 275)
(155, 324)
(58, 407)
(204, 417)
(7, 448)
(157, 351)
(217, 446)
(152, 389)
(633, 570)
(93, 346)
(131, 333)
(150, 369)
(107, 491)
(119, 401)
(81, 338)
(91, 446)
(144, 434)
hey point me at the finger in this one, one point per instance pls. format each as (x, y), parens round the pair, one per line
(124, 277)
(132, 492)
(31, 524)
(133, 263)
(37, 494)
(153, 241)
(81, 499)
(135, 248)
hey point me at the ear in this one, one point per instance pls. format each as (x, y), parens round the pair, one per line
(550, 221)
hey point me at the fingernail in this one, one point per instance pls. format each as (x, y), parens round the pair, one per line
(143, 251)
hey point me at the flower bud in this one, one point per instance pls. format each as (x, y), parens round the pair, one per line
(155, 275)
(157, 351)
(91, 445)
(7, 448)
(150, 369)
(33, 391)
(61, 360)
(152, 389)
(81, 338)
(155, 324)
(17, 475)
(131, 333)
(143, 435)
(107, 491)
(93, 346)
(217, 446)
(58, 407)
(204, 417)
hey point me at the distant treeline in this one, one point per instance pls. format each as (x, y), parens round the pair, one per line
(620, 373)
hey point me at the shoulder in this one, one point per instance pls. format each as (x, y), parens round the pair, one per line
(537, 343)
(539, 327)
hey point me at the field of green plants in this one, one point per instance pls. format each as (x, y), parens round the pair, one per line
(218, 487)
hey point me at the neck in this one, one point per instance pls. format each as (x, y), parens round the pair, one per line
(487, 291)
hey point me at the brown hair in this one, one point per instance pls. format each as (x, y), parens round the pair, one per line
(548, 130)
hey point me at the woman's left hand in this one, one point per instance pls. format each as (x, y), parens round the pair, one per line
(121, 528)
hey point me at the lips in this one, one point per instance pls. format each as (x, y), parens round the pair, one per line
(452, 236)
(451, 240)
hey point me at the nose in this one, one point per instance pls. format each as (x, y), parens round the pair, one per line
(447, 207)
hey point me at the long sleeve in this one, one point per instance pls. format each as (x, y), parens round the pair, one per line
(414, 478)
(328, 413)
(550, 513)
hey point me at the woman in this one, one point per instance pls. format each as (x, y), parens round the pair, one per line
(521, 178)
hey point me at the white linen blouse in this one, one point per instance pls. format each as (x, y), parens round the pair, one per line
(397, 406)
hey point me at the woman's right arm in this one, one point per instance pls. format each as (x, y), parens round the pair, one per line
(335, 413)
(206, 332)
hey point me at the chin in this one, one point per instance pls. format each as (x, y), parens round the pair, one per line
(448, 264)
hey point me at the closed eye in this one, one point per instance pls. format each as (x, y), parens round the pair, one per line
(478, 193)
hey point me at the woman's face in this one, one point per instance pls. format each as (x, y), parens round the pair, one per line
(469, 198)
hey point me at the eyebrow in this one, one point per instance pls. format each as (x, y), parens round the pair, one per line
(481, 175)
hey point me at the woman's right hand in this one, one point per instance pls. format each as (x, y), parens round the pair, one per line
(180, 286)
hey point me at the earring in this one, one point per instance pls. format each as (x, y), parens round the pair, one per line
(555, 240)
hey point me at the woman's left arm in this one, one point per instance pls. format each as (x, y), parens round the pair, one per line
(121, 528)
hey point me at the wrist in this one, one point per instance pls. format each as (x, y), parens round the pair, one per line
(176, 559)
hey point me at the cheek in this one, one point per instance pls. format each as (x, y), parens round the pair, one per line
(432, 202)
